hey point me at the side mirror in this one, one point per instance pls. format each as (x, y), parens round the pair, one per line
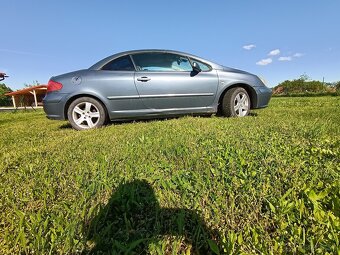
(196, 67)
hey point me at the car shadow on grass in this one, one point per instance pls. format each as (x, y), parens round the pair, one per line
(141, 120)
(252, 114)
(133, 219)
(146, 120)
(66, 126)
(122, 122)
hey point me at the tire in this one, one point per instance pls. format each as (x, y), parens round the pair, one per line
(86, 113)
(236, 103)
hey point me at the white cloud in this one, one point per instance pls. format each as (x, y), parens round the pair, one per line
(298, 55)
(274, 52)
(249, 47)
(264, 62)
(285, 58)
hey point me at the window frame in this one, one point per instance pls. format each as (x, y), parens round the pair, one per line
(159, 71)
(204, 63)
(127, 55)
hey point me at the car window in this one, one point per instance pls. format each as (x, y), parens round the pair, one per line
(158, 61)
(120, 64)
(204, 67)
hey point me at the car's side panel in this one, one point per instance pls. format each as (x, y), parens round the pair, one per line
(114, 85)
(260, 93)
(118, 89)
(177, 90)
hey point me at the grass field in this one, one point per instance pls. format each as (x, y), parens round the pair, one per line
(265, 184)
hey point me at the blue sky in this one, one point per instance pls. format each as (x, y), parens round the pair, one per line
(284, 39)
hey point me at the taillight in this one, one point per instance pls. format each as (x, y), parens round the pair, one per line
(53, 86)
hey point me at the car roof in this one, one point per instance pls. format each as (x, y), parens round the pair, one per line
(102, 62)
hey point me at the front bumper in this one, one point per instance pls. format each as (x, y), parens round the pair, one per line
(263, 96)
(54, 105)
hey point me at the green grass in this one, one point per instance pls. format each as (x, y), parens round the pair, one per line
(264, 184)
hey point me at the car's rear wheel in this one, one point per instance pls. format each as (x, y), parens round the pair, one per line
(86, 113)
(236, 103)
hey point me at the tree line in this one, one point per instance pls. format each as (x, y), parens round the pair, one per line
(304, 86)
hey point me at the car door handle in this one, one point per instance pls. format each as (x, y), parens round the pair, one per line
(143, 79)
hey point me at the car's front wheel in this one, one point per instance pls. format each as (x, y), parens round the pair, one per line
(236, 103)
(86, 113)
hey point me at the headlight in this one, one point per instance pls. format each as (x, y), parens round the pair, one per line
(263, 80)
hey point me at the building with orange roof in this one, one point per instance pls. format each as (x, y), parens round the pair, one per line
(30, 96)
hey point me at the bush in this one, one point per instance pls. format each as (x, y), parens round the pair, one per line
(337, 87)
(305, 87)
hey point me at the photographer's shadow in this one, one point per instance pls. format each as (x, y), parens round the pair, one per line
(133, 219)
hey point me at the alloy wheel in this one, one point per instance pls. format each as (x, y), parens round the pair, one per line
(241, 104)
(86, 115)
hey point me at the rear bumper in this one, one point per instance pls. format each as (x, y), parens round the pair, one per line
(54, 106)
(263, 96)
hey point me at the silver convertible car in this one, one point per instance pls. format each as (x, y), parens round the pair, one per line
(151, 84)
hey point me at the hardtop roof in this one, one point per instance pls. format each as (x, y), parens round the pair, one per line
(102, 62)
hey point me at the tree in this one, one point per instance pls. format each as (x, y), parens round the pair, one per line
(304, 77)
(4, 100)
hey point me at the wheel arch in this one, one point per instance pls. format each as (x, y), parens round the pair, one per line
(74, 97)
(250, 90)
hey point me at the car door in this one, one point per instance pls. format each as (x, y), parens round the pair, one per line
(167, 81)
(115, 81)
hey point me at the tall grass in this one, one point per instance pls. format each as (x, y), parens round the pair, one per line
(264, 184)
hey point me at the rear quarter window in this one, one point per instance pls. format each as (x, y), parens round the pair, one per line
(119, 64)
